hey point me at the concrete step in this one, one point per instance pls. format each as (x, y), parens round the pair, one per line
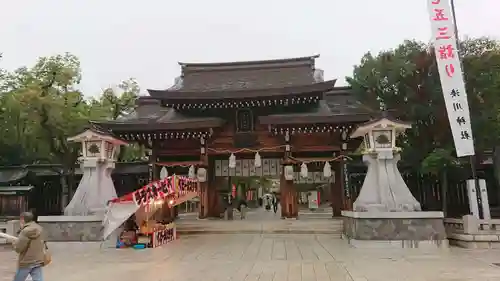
(314, 215)
(332, 226)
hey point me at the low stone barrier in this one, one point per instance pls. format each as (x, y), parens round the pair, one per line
(10, 227)
(394, 229)
(72, 228)
(473, 233)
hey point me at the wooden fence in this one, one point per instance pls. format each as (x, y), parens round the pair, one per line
(428, 189)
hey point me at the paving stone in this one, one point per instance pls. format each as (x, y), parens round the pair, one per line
(267, 257)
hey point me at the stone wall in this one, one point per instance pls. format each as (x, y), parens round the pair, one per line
(416, 229)
(9, 227)
(66, 228)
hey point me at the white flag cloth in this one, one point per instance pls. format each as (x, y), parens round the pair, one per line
(116, 215)
(451, 76)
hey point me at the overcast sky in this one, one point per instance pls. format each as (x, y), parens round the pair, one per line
(118, 39)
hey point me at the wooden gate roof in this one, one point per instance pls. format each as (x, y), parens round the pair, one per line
(338, 106)
(267, 83)
(151, 116)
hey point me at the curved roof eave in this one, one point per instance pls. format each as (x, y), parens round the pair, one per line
(243, 93)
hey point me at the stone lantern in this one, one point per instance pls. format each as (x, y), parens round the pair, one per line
(384, 188)
(96, 188)
(385, 212)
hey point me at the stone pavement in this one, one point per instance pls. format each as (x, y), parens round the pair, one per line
(251, 257)
(260, 221)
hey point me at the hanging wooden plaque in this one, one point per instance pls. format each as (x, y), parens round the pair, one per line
(218, 168)
(237, 170)
(273, 167)
(225, 168)
(258, 171)
(251, 164)
(317, 177)
(245, 170)
(265, 167)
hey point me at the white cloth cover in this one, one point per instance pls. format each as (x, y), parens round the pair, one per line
(116, 215)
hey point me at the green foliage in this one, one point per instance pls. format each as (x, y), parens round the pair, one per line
(438, 160)
(41, 106)
(405, 80)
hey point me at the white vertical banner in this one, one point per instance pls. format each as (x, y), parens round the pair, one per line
(451, 76)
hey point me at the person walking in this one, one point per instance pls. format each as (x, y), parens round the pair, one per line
(31, 249)
(275, 204)
(242, 207)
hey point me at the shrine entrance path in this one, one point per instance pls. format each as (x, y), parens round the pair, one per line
(261, 221)
(247, 257)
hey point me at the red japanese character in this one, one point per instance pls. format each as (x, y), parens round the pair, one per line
(443, 33)
(436, 2)
(439, 15)
(446, 52)
(450, 70)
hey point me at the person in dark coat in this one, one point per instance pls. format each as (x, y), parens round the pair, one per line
(275, 204)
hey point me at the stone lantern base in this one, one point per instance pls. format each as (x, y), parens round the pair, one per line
(395, 229)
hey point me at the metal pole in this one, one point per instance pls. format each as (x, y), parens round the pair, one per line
(472, 158)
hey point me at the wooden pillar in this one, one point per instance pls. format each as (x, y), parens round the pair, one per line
(203, 210)
(344, 177)
(284, 191)
(154, 170)
(211, 193)
(289, 207)
(294, 210)
(344, 180)
(336, 191)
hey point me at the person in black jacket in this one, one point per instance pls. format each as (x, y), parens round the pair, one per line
(275, 204)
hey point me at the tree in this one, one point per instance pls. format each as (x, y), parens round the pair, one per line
(406, 81)
(41, 106)
(115, 104)
(17, 141)
(49, 96)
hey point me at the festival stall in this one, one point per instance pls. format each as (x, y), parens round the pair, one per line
(135, 210)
